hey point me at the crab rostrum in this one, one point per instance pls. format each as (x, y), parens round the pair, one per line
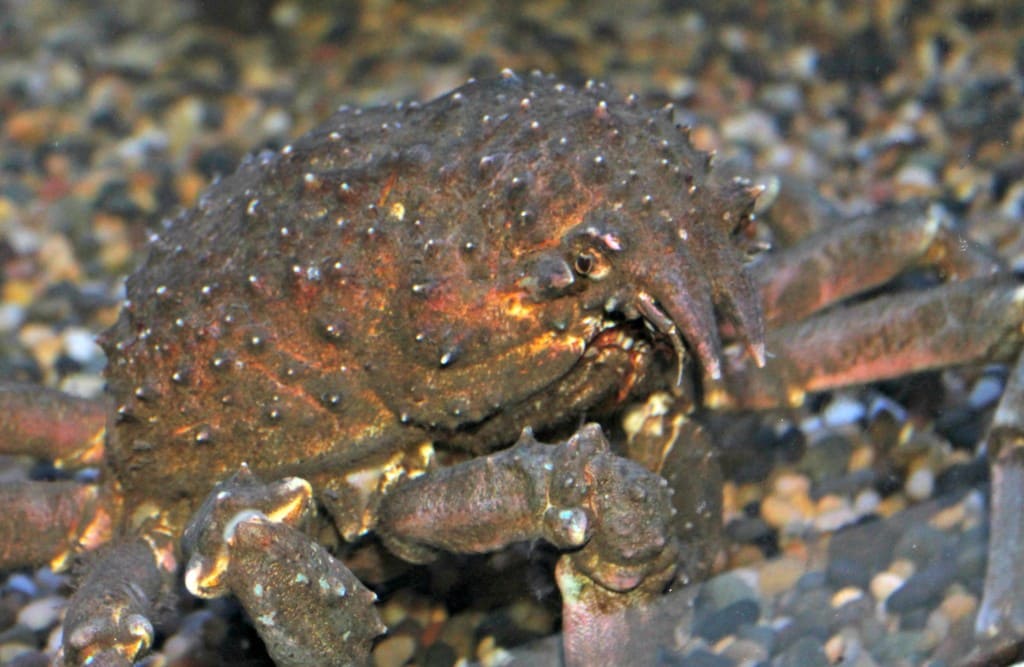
(417, 279)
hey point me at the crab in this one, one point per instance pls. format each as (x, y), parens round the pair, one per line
(348, 335)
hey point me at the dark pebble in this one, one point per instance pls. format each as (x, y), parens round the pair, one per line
(922, 544)
(854, 611)
(720, 592)
(962, 426)
(726, 621)
(843, 572)
(898, 648)
(810, 581)
(805, 652)
(827, 459)
(30, 659)
(439, 654)
(961, 477)
(700, 658)
(972, 554)
(761, 634)
(924, 587)
(859, 550)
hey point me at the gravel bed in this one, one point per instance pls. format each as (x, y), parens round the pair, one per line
(856, 525)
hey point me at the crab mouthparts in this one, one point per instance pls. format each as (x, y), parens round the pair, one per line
(683, 317)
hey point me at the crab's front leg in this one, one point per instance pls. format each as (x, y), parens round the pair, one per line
(308, 608)
(108, 620)
(611, 516)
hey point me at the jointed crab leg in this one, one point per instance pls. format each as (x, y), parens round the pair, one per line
(48, 424)
(857, 255)
(1001, 616)
(612, 516)
(976, 320)
(306, 605)
(107, 622)
(64, 518)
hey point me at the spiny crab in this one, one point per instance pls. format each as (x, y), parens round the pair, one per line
(417, 284)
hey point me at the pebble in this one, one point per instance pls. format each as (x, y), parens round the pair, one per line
(42, 613)
(920, 484)
(985, 392)
(842, 410)
(846, 595)
(394, 650)
(779, 575)
(727, 620)
(805, 652)
(884, 584)
(80, 345)
(924, 587)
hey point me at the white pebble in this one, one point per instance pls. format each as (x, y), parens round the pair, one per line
(42, 613)
(985, 392)
(920, 484)
(12, 315)
(886, 404)
(21, 583)
(843, 410)
(80, 345)
(884, 584)
(866, 502)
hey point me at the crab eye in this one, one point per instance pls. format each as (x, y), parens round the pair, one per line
(584, 263)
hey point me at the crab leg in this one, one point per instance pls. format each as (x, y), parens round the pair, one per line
(612, 516)
(1001, 616)
(107, 622)
(858, 255)
(882, 338)
(48, 424)
(306, 605)
(64, 518)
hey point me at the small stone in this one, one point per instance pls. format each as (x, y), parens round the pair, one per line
(845, 595)
(835, 649)
(985, 392)
(727, 620)
(805, 652)
(42, 613)
(884, 584)
(21, 583)
(788, 514)
(790, 485)
(920, 484)
(949, 518)
(866, 502)
(843, 409)
(779, 575)
(959, 605)
(394, 650)
(744, 652)
(80, 345)
(923, 587)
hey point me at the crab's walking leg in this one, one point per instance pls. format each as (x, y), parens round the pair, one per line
(860, 254)
(308, 607)
(63, 518)
(885, 337)
(1001, 616)
(611, 515)
(48, 424)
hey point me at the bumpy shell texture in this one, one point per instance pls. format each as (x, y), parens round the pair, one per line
(419, 270)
